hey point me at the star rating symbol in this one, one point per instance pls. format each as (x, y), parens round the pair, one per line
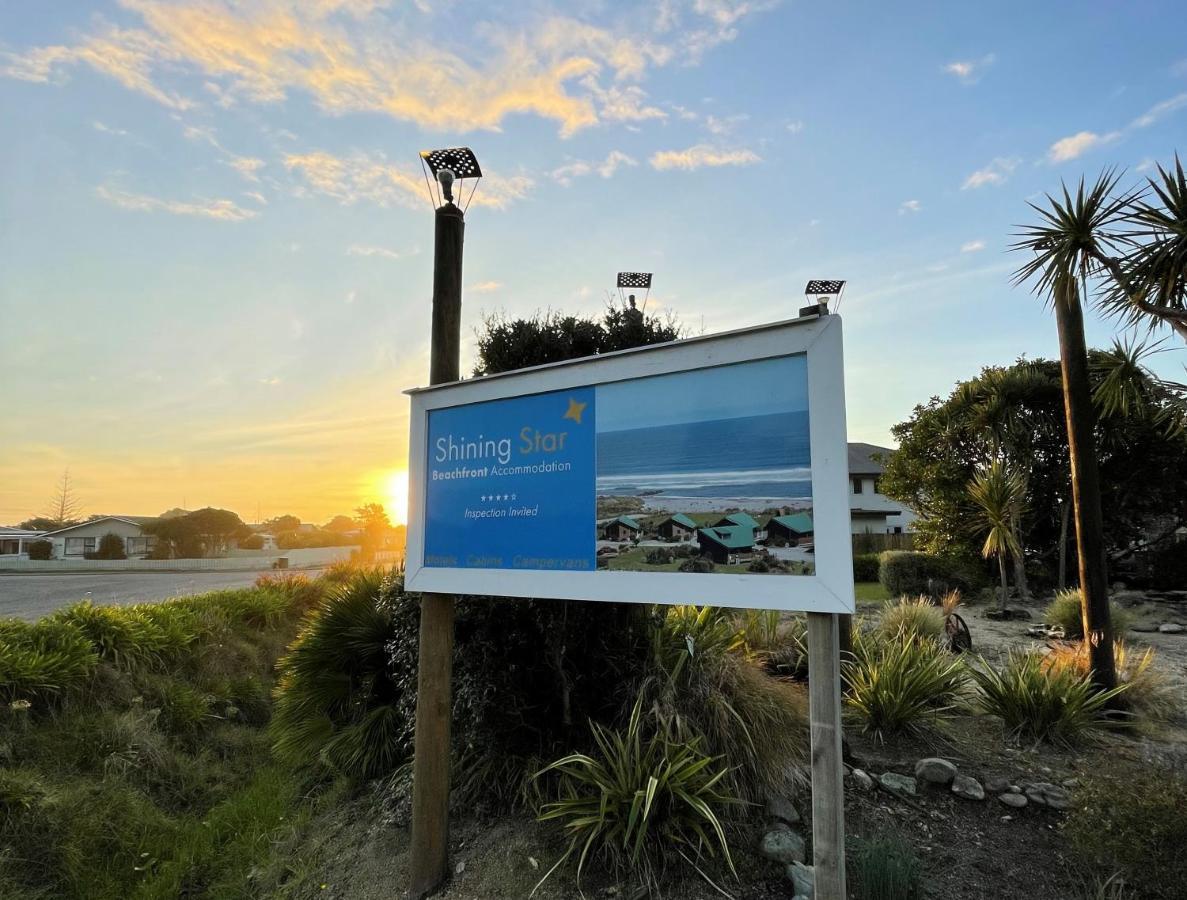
(495, 497)
(575, 410)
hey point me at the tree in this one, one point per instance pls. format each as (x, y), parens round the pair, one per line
(375, 523)
(278, 524)
(1000, 496)
(1067, 246)
(341, 523)
(65, 508)
(198, 533)
(39, 523)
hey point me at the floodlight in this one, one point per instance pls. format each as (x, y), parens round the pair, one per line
(634, 280)
(448, 166)
(821, 291)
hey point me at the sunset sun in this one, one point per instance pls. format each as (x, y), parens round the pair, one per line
(395, 496)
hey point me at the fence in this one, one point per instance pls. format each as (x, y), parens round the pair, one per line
(876, 543)
(298, 559)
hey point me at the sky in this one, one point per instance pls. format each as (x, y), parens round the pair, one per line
(215, 238)
(757, 388)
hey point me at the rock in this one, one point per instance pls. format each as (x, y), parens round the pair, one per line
(461, 867)
(934, 770)
(1043, 793)
(1011, 799)
(1171, 628)
(782, 846)
(783, 810)
(968, 788)
(862, 781)
(1057, 633)
(1144, 628)
(1071, 782)
(997, 785)
(896, 783)
(803, 879)
(1009, 613)
(1039, 630)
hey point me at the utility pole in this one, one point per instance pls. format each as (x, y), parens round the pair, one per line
(429, 859)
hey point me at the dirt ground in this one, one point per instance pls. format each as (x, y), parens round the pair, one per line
(970, 850)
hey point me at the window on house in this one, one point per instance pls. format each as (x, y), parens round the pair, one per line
(77, 546)
(857, 485)
(139, 546)
(898, 529)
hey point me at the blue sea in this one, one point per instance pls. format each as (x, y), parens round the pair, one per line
(754, 456)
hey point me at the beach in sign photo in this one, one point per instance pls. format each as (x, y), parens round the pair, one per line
(707, 471)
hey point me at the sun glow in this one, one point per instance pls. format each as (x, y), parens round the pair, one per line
(395, 496)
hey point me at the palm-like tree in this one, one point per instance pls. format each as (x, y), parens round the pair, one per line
(1000, 495)
(1074, 234)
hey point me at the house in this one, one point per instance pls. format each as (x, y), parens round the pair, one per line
(76, 541)
(14, 542)
(623, 528)
(726, 543)
(790, 530)
(677, 528)
(744, 519)
(870, 511)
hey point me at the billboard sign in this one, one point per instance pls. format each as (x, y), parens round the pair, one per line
(708, 470)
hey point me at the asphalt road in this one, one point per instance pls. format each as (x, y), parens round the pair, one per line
(33, 596)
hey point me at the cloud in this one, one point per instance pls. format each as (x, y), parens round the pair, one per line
(969, 71)
(257, 197)
(1159, 110)
(367, 176)
(614, 160)
(912, 206)
(247, 166)
(997, 172)
(795, 127)
(367, 250)
(725, 124)
(349, 59)
(972, 246)
(484, 287)
(223, 210)
(1078, 144)
(702, 155)
(107, 129)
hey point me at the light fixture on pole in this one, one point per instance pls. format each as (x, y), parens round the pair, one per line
(634, 280)
(429, 855)
(819, 292)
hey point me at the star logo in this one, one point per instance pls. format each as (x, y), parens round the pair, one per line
(575, 410)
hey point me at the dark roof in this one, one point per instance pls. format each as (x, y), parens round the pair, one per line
(860, 461)
(800, 523)
(627, 521)
(680, 519)
(739, 518)
(732, 537)
(131, 520)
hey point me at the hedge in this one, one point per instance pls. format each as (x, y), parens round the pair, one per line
(912, 572)
(865, 567)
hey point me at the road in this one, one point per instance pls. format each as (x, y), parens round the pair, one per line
(33, 596)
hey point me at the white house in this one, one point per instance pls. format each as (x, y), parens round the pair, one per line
(14, 542)
(870, 511)
(78, 540)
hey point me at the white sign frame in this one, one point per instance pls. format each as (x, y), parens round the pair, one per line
(829, 590)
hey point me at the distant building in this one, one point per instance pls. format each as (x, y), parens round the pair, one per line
(677, 528)
(726, 543)
(790, 530)
(871, 511)
(76, 541)
(744, 519)
(623, 528)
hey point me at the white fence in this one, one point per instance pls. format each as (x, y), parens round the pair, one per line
(298, 559)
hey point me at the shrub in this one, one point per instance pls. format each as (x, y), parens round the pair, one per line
(697, 564)
(1045, 703)
(1148, 693)
(918, 618)
(915, 573)
(1132, 820)
(704, 689)
(901, 684)
(123, 636)
(761, 629)
(642, 803)
(789, 657)
(337, 704)
(111, 546)
(885, 868)
(42, 660)
(1065, 610)
(252, 542)
(658, 556)
(40, 550)
(865, 567)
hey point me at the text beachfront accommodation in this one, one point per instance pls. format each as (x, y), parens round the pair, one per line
(75, 541)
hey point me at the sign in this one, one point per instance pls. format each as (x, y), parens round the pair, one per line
(709, 470)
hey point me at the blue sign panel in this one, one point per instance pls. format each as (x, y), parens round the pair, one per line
(511, 484)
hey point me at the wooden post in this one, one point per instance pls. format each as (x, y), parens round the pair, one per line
(828, 789)
(429, 859)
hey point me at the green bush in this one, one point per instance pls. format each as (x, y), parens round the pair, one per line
(1065, 610)
(122, 636)
(1131, 820)
(40, 550)
(1039, 702)
(918, 618)
(252, 542)
(705, 689)
(640, 803)
(42, 660)
(337, 704)
(865, 567)
(697, 564)
(1148, 692)
(111, 546)
(658, 556)
(901, 684)
(911, 572)
(885, 868)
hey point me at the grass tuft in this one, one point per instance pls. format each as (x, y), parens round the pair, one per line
(1065, 611)
(915, 618)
